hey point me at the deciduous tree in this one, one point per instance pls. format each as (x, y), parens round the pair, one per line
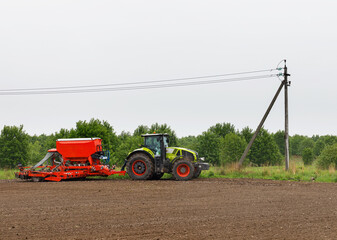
(13, 146)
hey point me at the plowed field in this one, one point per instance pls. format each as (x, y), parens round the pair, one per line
(167, 209)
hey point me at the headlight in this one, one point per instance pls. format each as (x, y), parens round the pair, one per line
(202, 159)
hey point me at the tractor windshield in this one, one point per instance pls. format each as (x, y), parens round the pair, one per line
(153, 143)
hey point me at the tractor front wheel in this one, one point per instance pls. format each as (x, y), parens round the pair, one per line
(183, 170)
(139, 167)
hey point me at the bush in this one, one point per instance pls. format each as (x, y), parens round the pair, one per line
(328, 157)
(208, 147)
(307, 156)
(319, 146)
(306, 143)
(232, 147)
(265, 151)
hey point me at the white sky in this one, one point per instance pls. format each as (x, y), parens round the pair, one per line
(67, 43)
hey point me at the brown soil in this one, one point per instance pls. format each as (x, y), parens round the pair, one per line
(167, 209)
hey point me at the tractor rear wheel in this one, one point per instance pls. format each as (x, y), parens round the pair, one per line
(183, 170)
(139, 167)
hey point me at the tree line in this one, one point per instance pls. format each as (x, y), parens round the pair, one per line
(221, 144)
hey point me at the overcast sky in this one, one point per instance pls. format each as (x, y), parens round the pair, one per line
(70, 43)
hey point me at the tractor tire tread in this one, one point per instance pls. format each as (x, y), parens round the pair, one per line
(149, 167)
(175, 174)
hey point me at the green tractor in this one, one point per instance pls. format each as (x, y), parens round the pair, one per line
(155, 158)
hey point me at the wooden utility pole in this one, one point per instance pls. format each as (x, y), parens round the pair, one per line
(286, 84)
(286, 129)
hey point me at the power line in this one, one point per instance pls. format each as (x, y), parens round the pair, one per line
(135, 83)
(141, 87)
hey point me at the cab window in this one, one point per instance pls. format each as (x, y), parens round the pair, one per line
(153, 143)
(165, 142)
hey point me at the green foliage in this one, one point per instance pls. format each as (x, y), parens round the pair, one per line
(328, 157)
(295, 142)
(34, 152)
(232, 147)
(13, 146)
(141, 129)
(164, 128)
(319, 146)
(126, 144)
(208, 143)
(37, 147)
(220, 144)
(190, 142)
(306, 143)
(315, 137)
(247, 133)
(95, 128)
(308, 156)
(7, 173)
(265, 151)
(222, 129)
(208, 147)
(323, 141)
(279, 139)
(329, 139)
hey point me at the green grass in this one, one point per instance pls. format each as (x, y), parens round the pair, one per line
(7, 173)
(297, 172)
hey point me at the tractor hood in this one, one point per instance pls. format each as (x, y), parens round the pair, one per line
(172, 149)
(173, 152)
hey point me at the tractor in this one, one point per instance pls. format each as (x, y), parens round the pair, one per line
(155, 158)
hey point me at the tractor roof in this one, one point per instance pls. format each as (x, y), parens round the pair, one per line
(155, 134)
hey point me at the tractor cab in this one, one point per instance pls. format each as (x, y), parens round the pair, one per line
(157, 143)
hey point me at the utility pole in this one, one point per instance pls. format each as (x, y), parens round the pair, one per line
(286, 84)
(286, 129)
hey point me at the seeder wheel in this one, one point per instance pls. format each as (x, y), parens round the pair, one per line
(37, 179)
